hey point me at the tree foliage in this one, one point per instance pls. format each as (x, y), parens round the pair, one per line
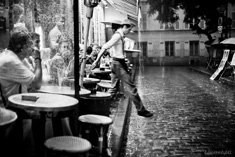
(45, 14)
(194, 10)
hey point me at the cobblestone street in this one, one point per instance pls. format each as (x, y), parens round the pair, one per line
(194, 116)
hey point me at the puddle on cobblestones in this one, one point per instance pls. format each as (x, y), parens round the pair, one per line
(192, 115)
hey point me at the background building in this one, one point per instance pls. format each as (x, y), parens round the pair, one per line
(172, 44)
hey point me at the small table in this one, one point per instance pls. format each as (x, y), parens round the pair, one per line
(104, 86)
(64, 90)
(90, 81)
(102, 74)
(44, 104)
(98, 71)
(97, 103)
(132, 50)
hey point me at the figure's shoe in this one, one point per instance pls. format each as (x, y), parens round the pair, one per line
(145, 113)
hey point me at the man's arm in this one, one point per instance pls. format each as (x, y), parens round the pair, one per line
(110, 43)
(37, 82)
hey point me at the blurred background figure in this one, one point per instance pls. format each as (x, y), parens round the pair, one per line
(62, 58)
(55, 33)
(28, 61)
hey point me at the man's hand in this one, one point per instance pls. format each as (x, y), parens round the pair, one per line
(36, 53)
(93, 64)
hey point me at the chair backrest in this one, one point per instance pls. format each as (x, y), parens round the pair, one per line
(233, 58)
(2, 97)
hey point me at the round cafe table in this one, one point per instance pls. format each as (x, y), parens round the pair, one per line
(90, 83)
(102, 74)
(64, 90)
(46, 103)
(98, 71)
(90, 80)
(96, 103)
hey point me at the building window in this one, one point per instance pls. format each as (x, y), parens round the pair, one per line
(233, 18)
(143, 46)
(186, 26)
(161, 25)
(194, 48)
(144, 17)
(166, 26)
(177, 25)
(169, 48)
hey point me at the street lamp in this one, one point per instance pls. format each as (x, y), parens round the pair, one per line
(90, 4)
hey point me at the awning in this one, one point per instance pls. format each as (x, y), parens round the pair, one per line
(128, 7)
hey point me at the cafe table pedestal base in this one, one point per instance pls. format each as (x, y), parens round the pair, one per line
(97, 103)
(45, 103)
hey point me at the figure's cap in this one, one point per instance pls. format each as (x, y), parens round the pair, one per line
(112, 22)
(127, 22)
(116, 22)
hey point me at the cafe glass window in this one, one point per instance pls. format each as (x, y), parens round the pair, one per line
(194, 48)
(169, 48)
(53, 21)
(144, 17)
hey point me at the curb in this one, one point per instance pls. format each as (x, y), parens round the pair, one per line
(224, 79)
(121, 121)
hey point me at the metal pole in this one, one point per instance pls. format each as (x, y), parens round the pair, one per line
(76, 49)
(89, 16)
(90, 5)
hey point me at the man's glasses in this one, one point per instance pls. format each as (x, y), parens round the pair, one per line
(66, 47)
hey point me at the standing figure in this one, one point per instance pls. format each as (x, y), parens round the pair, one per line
(119, 67)
(54, 35)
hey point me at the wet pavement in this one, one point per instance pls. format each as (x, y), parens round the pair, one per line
(194, 116)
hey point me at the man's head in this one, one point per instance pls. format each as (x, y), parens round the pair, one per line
(35, 37)
(115, 25)
(65, 44)
(60, 22)
(20, 42)
(127, 25)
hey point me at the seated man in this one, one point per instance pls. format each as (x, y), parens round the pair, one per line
(16, 78)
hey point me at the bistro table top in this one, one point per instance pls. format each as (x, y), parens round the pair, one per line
(65, 90)
(90, 80)
(97, 70)
(105, 84)
(131, 50)
(98, 95)
(45, 102)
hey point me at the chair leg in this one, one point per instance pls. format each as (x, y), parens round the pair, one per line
(101, 138)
